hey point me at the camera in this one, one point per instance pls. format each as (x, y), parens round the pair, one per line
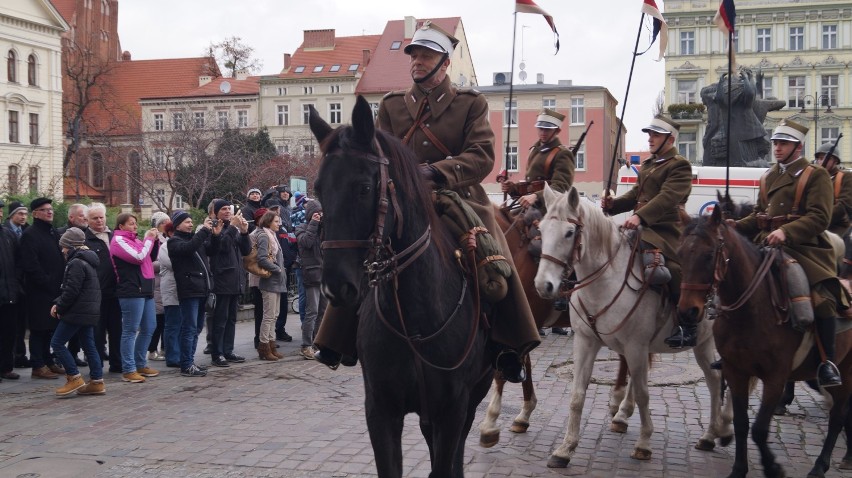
(214, 222)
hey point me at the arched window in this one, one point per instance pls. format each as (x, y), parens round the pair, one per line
(10, 67)
(31, 71)
(13, 179)
(97, 169)
(33, 179)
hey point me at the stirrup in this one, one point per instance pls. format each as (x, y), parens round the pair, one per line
(327, 357)
(832, 370)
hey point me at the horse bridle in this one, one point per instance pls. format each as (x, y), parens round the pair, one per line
(578, 244)
(382, 262)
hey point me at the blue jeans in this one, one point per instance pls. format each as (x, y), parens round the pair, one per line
(302, 296)
(191, 323)
(138, 320)
(63, 333)
(171, 333)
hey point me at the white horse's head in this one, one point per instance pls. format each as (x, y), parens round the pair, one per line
(561, 243)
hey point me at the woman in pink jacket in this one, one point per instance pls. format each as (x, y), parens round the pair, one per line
(134, 272)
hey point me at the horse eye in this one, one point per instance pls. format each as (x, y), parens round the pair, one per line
(366, 189)
(569, 234)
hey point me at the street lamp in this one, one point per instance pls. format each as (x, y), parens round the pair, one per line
(816, 100)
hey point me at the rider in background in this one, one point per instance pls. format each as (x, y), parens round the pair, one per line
(841, 185)
(799, 232)
(657, 200)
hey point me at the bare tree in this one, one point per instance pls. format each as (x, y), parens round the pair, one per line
(659, 104)
(233, 55)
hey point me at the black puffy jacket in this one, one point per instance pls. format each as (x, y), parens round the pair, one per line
(186, 251)
(226, 253)
(80, 299)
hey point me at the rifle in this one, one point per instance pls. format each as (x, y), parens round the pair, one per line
(833, 147)
(576, 148)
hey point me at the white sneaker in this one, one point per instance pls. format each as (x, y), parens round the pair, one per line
(157, 356)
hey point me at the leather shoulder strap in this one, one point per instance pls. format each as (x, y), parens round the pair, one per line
(763, 196)
(838, 182)
(548, 163)
(800, 187)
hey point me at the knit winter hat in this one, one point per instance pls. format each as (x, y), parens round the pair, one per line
(253, 190)
(259, 213)
(16, 206)
(73, 237)
(158, 218)
(178, 217)
(218, 204)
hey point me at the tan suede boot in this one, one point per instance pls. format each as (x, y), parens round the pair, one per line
(73, 382)
(273, 351)
(94, 387)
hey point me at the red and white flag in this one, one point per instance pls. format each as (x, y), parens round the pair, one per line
(529, 6)
(661, 29)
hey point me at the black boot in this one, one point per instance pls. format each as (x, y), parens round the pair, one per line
(561, 304)
(509, 363)
(827, 373)
(327, 357)
(686, 335)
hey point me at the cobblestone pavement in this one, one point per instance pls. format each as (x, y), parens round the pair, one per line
(296, 418)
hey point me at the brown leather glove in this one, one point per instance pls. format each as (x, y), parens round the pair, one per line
(431, 174)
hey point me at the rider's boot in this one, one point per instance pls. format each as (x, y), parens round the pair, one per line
(685, 334)
(827, 373)
(511, 365)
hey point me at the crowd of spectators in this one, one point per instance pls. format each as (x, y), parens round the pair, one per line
(125, 297)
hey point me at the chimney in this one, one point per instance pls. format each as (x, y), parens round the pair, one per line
(125, 56)
(287, 59)
(410, 26)
(365, 57)
(566, 82)
(203, 80)
(539, 78)
(319, 39)
(241, 74)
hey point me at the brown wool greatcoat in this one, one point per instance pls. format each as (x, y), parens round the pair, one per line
(842, 203)
(664, 183)
(561, 174)
(804, 243)
(459, 119)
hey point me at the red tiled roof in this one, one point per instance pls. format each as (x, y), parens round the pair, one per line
(131, 80)
(347, 51)
(66, 8)
(86, 191)
(388, 69)
(248, 86)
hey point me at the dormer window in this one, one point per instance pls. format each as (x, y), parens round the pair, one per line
(299, 69)
(395, 45)
(353, 67)
(318, 68)
(334, 68)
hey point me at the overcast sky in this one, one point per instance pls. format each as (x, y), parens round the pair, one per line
(597, 37)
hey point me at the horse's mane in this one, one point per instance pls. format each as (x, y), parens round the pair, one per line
(414, 195)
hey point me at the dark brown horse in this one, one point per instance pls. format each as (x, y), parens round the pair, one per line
(754, 337)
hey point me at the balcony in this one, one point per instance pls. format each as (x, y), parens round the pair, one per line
(687, 111)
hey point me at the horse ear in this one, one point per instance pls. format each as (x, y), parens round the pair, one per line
(573, 198)
(550, 196)
(716, 215)
(362, 121)
(319, 127)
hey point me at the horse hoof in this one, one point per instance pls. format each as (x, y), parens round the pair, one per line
(489, 439)
(846, 464)
(641, 454)
(705, 445)
(558, 462)
(780, 410)
(725, 441)
(618, 427)
(519, 427)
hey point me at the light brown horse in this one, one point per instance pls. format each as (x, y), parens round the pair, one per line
(545, 316)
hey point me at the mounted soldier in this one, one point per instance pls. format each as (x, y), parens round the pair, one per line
(657, 201)
(793, 210)
(828, 156)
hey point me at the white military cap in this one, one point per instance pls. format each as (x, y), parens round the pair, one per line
(432, 37)
(549, 119)
(789, 131)
(661, 124)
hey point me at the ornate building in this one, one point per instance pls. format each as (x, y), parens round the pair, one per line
(803, 48)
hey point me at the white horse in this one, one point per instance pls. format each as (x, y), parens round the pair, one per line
(615, 310)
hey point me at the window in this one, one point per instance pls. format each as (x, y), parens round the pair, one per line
(686, 91)
(222, 117)
(548, 103)
(395, 45)
(160, 197)
(177, 121)
(797, 38)
(284, 148)
(353, 67)
(736, 40)
(334, 88)
(159, 158)
(578, 111)
(32, 80)
(308, 148)
(374, 107)
(580, 159)
(13, 179)
(308, 90)
(306, 113)
(764, 39)
(13, 127)
(33, 128)
(283, 115)
(506, 112)
(829, 90)
(334, 113)
(318, 68)
(33, 179)
(242, 119)
(828, 135)
(179, 201)
(299, 69)
(829, 37)
(687, 43)
(282, 91)
(97, 167)
(11, 62)
(686, 145)
(512, 157)
(796, 91)
(158, 121)
(199, 119)
(766, 88)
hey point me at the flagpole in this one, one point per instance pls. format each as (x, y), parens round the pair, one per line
(623, 108)
(728, 132)
(511, 93)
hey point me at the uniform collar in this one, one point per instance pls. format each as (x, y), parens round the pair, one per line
(439, 98)
(663, 157)
(543, 148)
